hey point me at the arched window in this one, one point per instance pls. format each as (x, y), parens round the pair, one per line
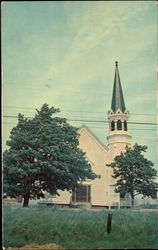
(112, 126)
(125, 125)
(119, 125)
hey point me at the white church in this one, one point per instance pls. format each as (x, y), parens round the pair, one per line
(100, 192)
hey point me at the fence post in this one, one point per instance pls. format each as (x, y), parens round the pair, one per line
(109, 223)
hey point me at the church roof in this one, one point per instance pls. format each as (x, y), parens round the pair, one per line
(117, 97)
(104, 147)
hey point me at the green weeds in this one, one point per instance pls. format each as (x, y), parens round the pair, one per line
(74, 228)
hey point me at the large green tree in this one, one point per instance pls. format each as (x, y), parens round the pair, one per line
(43, 155)
(134, 174)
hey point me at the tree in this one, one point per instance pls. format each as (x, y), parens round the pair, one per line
(43, 155)
(134, 173)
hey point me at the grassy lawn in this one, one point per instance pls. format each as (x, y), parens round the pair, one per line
(73, 228)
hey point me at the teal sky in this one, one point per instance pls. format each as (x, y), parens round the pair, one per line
(63, 54)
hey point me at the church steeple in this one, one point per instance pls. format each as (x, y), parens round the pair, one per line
(118, 116)
(117, 97)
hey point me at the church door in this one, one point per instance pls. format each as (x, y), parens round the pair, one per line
(82, 194)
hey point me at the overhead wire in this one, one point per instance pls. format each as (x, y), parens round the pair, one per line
(85, 120)
(100, 127)
(76, 111)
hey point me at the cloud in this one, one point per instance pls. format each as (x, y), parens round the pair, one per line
(102, 19)
(103, 31)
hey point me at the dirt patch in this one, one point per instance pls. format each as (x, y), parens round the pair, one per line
(39, 247)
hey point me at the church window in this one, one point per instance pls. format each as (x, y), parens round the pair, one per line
(82, 194)
(119, 125)
(112, 126)
(125, 125)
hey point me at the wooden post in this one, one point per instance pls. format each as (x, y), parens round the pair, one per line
(109, 223)
(119, 205)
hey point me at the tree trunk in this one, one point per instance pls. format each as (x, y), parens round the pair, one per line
(132, 196)
(26, 201)
(133, 202)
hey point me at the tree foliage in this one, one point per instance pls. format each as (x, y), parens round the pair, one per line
(43, 155)
(134, 173)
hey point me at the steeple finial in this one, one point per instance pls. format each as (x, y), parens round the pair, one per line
(117, 97)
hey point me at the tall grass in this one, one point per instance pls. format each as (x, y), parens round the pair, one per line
(73, 228)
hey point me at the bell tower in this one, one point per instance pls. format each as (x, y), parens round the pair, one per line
(118, 116)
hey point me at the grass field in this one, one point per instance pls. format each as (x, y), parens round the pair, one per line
(74, 228)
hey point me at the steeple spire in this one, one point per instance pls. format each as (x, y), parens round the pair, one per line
(117, 97)
(118, 116)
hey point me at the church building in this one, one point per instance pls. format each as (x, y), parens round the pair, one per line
(100, 192)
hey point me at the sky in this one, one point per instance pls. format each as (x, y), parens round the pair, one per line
(63, 53)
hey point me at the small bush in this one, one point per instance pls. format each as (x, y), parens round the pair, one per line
(149, 205)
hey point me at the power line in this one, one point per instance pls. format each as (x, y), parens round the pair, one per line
(84, 120)
(30, 114)
(15, 116)
(144, 123)
(75, 111)
(133, 129)
(152, 129)
(91, 127)
(15, 107)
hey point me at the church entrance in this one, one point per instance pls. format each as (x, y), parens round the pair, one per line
(82, 194)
